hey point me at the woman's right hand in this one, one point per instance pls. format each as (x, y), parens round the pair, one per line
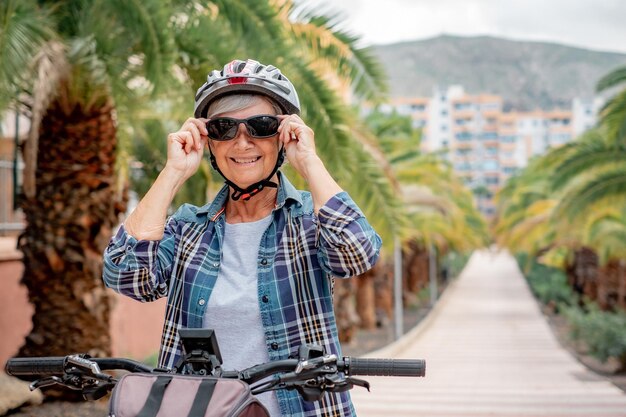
(186, 147)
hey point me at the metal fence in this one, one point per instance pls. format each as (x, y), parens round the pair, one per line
(11, 220)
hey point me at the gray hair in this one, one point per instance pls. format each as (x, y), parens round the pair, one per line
(236, 102)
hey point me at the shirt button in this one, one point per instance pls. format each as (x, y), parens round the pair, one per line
(265, 298)
(274, 346)
(201, 301)
(216, 264)
(129, 248)
(263, 261)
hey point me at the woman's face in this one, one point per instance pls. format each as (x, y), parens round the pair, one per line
(245, 160)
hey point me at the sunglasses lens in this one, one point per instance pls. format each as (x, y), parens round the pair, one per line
(262, 126)
(222, 128)
(225, 128)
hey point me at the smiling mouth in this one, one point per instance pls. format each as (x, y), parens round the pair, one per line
(245, 161)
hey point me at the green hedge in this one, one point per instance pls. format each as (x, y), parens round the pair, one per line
(548, 284)
(603, 333)
(453, 263)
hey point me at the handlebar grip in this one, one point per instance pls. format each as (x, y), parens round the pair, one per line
(385, 367)
(43, 366)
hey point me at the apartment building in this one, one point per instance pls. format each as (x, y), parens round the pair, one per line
(485, 144)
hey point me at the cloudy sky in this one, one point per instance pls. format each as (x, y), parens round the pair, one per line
(593, 24)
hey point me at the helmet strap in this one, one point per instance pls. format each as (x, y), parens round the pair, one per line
(247, 193)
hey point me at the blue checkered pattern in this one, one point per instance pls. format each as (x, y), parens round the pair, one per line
(298, 256)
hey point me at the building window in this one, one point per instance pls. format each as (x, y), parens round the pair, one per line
(490, 165)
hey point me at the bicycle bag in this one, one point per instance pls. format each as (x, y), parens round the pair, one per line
(172, 395)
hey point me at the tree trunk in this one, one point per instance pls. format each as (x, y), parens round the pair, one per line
(345, 311)
(611, 286)
(582, 273)
(69, 222)
(621, 286)
(415, 272)
(383, 293)
(366, 299)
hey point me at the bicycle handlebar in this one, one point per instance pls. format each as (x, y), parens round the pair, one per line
(44, 366)
(384, 367)
(56, 365)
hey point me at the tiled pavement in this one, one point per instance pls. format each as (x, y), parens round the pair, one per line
(489, 352)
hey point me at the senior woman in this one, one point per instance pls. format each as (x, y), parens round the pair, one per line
(257, 263)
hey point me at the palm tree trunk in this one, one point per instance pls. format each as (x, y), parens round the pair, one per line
(621, 288)
(415, 272)
(383, 292)
(345, 310)
(582, 273)
(366, 299)
(69, 221)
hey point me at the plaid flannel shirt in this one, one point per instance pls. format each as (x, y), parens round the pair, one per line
(298, 256)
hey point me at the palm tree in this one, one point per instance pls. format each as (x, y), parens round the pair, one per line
(93, 76)
(440, 211)
(77, 59)
(559, 202)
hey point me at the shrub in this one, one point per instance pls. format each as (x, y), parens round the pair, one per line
(548, 284)
(453, 263)
(602, 332)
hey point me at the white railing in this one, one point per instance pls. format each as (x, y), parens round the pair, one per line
(11, 221)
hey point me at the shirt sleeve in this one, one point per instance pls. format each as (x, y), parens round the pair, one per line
(347, 243)
(140, 269)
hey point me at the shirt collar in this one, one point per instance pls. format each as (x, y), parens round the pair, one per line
(286, 192)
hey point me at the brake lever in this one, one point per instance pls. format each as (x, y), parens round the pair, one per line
(338, 383)
(86, 368)
(45, 382)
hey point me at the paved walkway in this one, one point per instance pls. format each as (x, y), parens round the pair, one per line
(489, 352)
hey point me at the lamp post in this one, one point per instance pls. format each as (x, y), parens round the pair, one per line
(397, 289)
(432, 273)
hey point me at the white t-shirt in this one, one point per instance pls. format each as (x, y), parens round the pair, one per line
(233, 310)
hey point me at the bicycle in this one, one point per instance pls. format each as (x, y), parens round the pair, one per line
(312, 374)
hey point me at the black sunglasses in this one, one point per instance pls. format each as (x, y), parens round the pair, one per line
(259, 127)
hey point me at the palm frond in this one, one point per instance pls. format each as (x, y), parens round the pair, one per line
(606, 188)
(613, 117)
(132, 37)
(51, 68)
(25, 28)
(338, 48)
(590, 156)
(257, 27)
(607, 236)
(612, 79)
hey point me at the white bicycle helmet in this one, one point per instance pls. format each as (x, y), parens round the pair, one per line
(247, 76)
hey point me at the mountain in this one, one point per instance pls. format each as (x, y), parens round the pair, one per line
(526, 74)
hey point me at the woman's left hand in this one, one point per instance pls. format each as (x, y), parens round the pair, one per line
(299, 143)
